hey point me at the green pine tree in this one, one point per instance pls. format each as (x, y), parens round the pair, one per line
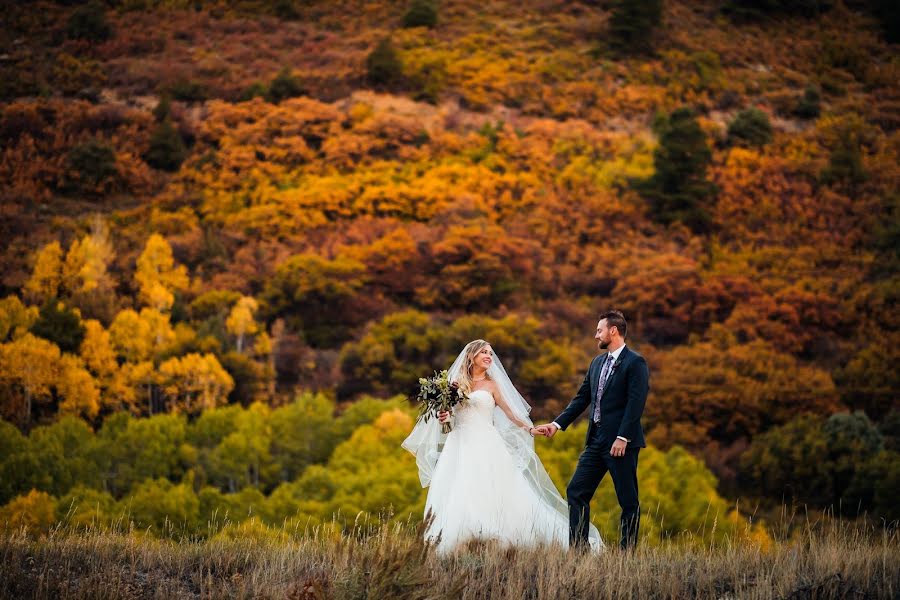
(845, 164)
(750, 127)
(383, 65)
(167, 149)
(93, 163)
(284, 86)
(632, 24)
(809, 105)
(421, 13)
(679, 190)
(60, 325)
(89, 22)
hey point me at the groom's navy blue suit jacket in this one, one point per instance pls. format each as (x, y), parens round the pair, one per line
(622, 403)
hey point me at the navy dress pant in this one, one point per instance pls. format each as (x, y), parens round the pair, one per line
(595, 462)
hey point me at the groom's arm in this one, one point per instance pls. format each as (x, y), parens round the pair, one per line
(638, 387)
(578, 403)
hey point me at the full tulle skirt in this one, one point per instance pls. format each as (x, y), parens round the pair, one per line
(477, 492)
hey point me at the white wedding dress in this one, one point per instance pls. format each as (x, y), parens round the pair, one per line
(480, 490)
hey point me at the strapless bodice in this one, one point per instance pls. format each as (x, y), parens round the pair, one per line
(479, 409)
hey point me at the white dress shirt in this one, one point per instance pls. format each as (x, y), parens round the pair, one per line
(615, 356)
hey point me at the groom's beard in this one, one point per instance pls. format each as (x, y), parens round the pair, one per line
(604, 345)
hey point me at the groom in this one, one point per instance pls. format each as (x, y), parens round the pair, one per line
(615, 391)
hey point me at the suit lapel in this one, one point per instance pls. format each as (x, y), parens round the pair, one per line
(595, 380)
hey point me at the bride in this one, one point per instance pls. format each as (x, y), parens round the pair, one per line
(486, 482)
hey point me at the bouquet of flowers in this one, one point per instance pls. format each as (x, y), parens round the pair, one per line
(437, 394)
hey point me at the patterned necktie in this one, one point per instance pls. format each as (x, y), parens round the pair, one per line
(604, 375)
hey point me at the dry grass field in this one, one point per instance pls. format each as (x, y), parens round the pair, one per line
(827, 559)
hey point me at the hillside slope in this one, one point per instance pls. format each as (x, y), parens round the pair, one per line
(499, 184)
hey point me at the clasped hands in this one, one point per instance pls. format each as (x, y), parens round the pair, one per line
(548, 430)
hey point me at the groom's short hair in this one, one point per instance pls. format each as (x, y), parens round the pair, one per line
(615, 318)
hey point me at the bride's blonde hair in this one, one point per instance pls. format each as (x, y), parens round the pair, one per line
(465, 373)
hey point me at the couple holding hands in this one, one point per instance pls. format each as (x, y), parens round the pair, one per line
(485, 479)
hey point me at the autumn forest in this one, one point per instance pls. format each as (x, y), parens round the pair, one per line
(236, 232)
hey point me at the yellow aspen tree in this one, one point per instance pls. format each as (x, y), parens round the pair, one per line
(141, 377)
(213, 380)
(46, 275)
(138, 338)
(71, 268)
(87, 261)
(29, 368)
(195, 382)
(262, 346)
(76, 388)
(35, 510)
(100, 359)
(157, 274)
(162, 334)
(131, 336)
(15, 318)
(240, 321)
(117, 393)
(263, 353)
(96, 349)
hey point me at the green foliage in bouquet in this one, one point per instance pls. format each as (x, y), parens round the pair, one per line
(438, 394)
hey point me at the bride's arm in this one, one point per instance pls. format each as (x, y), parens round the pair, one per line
(498, 398)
